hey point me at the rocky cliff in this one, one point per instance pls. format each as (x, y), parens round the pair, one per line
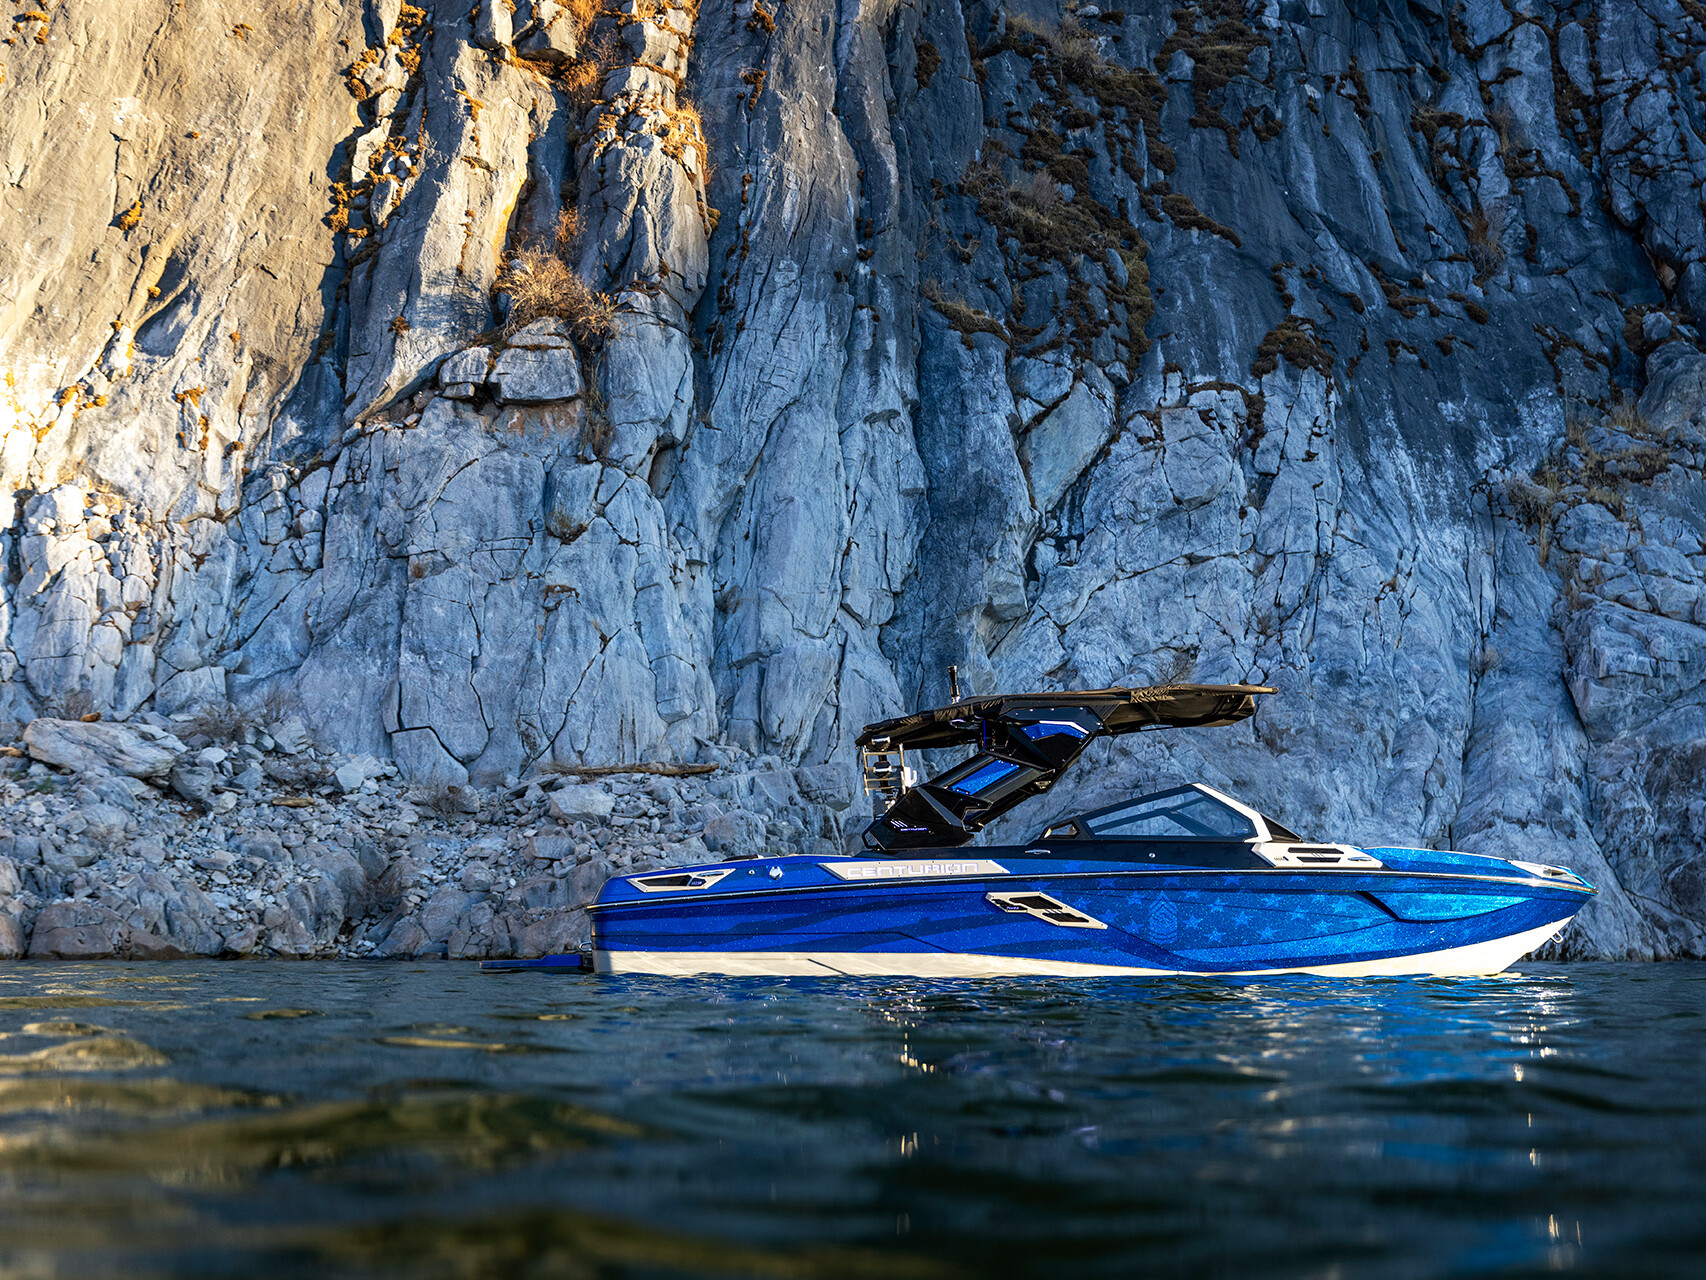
(1348, 347)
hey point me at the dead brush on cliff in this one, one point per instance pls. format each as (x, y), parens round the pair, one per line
(541, 282)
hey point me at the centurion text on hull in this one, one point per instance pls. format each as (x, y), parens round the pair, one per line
(1185, 880)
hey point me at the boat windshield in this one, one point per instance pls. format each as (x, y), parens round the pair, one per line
(1183, 812)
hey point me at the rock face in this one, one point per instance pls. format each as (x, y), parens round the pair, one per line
(1355, 354)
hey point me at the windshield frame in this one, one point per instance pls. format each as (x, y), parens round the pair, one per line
(1085, 822)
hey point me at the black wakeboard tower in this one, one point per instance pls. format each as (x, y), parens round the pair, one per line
(1024, 742)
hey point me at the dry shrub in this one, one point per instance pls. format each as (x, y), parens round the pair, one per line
(583, 13)
(1510, 130)
(75, 705)
(447, 799)
(1626, 417)
(583, 79)
(1485, 229)
(1077, 49)
(687, 128)
(566, 232)
(221, 722)
(1069, 42)
(961, 316)
(541, 282)
(1039, 192)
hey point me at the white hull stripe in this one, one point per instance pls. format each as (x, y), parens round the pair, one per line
(1492, 956)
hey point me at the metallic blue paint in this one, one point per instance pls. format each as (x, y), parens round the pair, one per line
(1175, 918)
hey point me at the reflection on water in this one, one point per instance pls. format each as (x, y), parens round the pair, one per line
(374, 1120)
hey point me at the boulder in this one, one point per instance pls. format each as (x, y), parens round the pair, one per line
(553, 40)
(142, 944)
(465, 367)
(190, 920)
(540, 893)
(551, 848)
(22, 849)
(579, 802)
(194, 783)
(405, 941)
(341, 867)
(289, 735)
(733, 832)
(12, 942)
(824, 784)
(263, 845)
(151, 849)
(554, 934)
(549, 333)
(80, 930)
(401, 876)
(492, 24)
(439, 914)
(140, 750)
(587, 879)
(105, 822)
(537, 376)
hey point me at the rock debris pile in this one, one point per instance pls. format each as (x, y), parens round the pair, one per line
(154, 840)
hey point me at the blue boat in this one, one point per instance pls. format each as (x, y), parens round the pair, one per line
(1181, 881)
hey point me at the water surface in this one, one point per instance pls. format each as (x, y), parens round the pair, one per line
(335, 1120)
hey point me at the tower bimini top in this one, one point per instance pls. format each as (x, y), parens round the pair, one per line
(1024, 742)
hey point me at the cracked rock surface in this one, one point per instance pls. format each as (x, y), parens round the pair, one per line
(1354, 354)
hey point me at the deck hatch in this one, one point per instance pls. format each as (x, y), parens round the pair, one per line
(1319, 856)
(1043, 907)
(678, 881)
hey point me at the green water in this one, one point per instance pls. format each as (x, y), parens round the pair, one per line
(334, 1120)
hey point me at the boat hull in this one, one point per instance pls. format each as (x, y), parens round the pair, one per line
(788, 917)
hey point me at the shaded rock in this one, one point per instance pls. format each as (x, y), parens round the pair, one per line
(586, 880)
(342, 868)
(553, 38)
(555, 934)
(734, 832)
(140, 944)
(540, 893)
(151, 849)
(406, 940)
(440, 914)
(472, 934)
(290, 735)
(401, 876)
(825, 784)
